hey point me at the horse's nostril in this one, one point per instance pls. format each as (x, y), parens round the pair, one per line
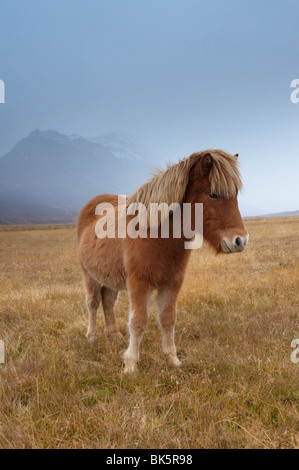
(238, 241)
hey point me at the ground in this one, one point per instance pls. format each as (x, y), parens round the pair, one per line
(237, 316)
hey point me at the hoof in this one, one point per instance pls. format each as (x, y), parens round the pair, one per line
(113, 334)
(92, 337)
(174, 360)
(130, 368)
(130, 364)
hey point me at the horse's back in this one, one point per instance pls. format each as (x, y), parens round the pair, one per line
(87, 214)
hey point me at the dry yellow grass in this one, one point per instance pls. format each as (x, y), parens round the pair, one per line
(237, 316)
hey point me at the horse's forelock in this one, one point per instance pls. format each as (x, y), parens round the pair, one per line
(224, 175)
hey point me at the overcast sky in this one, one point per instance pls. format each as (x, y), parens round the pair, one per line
(180, 75)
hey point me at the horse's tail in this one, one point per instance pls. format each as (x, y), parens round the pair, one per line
(87, 214)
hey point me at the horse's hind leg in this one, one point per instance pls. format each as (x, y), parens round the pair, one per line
(166, 302)
(109, 297)
(93, 299)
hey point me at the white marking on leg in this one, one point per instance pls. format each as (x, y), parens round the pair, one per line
(164, 302)
(92, 334)
(168, 346)
(131, 356)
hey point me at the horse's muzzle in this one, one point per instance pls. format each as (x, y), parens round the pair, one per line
(236, 245)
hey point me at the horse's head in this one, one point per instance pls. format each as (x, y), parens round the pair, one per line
(214, 181)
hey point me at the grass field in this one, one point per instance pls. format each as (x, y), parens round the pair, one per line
(237, 316)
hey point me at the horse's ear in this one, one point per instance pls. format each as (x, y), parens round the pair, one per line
(236, 155)
(206, 164)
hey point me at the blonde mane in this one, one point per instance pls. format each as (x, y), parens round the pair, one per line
(169, 186)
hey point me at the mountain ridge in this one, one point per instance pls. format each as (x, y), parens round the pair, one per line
(275, 215)
(48, 176)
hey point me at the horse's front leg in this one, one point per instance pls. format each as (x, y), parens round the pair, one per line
(139, 305)
(166, 302)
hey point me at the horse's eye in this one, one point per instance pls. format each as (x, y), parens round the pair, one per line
(213, 196)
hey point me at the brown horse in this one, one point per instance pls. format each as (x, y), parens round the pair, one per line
(145, 264)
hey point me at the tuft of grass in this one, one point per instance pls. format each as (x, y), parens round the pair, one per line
(237, 316)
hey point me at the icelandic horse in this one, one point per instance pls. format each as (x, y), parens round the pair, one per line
(142, 265)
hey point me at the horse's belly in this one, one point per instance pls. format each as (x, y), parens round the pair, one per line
(103, 259)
